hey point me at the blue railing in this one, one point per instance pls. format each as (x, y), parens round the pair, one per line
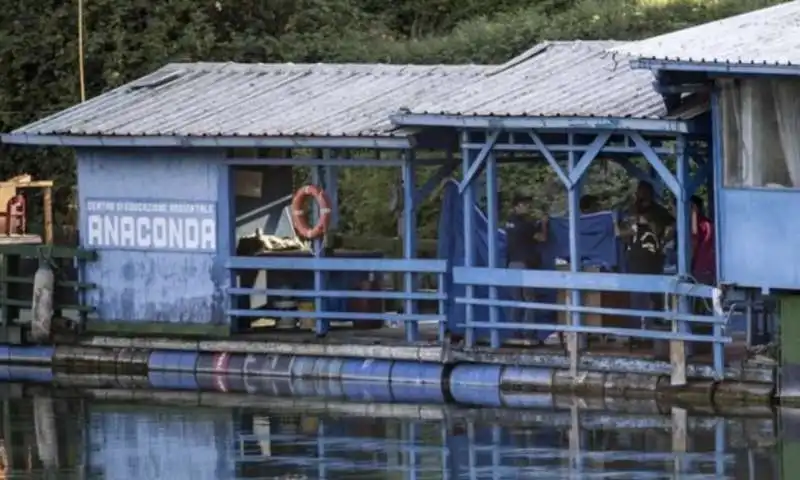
(673, 287)
(335, 281)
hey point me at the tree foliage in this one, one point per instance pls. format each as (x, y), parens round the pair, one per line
(127, 39)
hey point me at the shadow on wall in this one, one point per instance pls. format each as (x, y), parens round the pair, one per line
(262, 199)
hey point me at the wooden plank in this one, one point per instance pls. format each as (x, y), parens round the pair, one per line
(677, 349)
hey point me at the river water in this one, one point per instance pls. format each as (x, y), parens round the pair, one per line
(139, 434)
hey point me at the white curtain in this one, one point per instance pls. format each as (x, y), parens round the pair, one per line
(760, 123)
(786, 93)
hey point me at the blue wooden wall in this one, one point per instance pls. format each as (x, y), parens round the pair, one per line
(759, 237)
(149, 285)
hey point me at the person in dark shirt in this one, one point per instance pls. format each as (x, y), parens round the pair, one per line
(649, 225)
(524, 236)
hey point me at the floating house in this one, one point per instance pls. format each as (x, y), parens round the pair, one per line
(751, 65)
(184, 177)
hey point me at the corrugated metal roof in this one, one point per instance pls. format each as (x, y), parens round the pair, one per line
(557, 79)
(209, 99)
(768, 36)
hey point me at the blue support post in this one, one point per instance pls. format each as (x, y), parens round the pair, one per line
(576, 341)
(226, 240)
(469, 247)
(717, 173)
(332, 189)
(678, 350)
(322, 325)
(716, 160)
(411, 444)
(492, 213)
(409, 241)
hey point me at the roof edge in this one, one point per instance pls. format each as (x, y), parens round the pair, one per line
(661, 125)
(394, 142)
(715, 67)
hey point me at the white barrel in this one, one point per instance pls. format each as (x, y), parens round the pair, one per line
(42, 308)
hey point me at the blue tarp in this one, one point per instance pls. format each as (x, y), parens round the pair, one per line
(598, 247)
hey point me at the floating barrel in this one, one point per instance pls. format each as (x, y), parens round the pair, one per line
(416, 382)
(303, 367)
(220, 371)
(31, 354)
(528, 378)
(172, 380)
(476, 384)
(328, 367)
(367, 370)
(132, 360)
(30, 373)
(417, 372)
(367, 391)
(92, 357)
(268, 365)
(172, 361)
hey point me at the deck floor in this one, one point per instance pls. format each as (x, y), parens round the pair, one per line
(735, 352)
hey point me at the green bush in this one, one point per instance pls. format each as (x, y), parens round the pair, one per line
(124, 40)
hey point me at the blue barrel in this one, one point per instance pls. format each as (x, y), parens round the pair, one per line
(417, 372)
(367, 370)
(367, 391)
(328, 367)
(30, 373)
(31, 354)
(476, 384)
(172, 380)
(4, 353)
(303, 367)
(172, 361)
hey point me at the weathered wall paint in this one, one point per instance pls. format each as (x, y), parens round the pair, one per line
(758, 232)
(156, 286)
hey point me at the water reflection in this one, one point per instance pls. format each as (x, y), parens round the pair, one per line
(102, 434)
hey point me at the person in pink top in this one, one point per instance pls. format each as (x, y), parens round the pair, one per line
(704, 263)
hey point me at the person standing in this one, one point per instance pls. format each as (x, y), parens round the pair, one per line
(704, 264)
(524, 237)
(649, 225)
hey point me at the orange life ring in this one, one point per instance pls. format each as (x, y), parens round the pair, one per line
(299, 217)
